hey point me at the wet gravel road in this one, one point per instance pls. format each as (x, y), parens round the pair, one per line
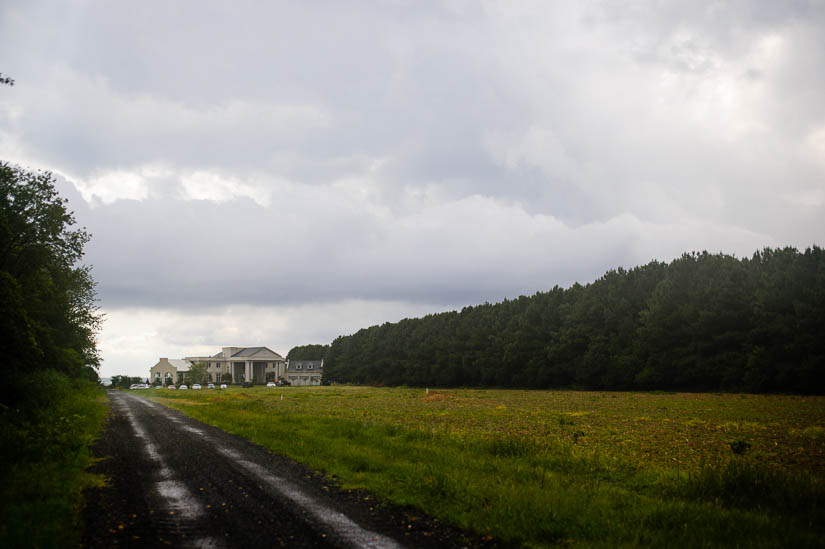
(177, 482)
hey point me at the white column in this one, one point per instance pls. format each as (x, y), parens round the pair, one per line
(248, 371)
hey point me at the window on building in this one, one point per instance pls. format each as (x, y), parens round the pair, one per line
(309, 366)
(297, 366)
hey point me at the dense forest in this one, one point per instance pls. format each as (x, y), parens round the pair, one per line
(704, 322)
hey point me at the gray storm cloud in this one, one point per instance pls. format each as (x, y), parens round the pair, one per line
(329, 246)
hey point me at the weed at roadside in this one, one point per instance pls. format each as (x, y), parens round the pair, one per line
(44, 452)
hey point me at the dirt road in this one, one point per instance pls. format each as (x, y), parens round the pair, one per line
(177, 482)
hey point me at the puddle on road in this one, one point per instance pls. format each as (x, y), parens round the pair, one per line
(232, 454)
(179, 499)
(149, 446)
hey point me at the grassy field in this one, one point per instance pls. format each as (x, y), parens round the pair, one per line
(44, 452)
(545, 468)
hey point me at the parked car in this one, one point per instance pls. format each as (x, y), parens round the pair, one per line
(271, 384)
(197, 386)
(182, 387)
(171, 387)
(223, 385)
(247, 384)
(283, 383)
(210, 386)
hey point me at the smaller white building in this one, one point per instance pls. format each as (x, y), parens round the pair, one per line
(168, 371)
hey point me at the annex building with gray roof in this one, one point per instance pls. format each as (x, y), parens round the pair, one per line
(304, 372)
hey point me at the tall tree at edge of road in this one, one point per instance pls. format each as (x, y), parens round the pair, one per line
(48, 312)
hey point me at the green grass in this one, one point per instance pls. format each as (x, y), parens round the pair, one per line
(44, 451)
(544, 468)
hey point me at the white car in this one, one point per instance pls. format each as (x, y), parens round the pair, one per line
(182, 387)
(223, 385)
(197, 386)
(210, 386)
(271, 384)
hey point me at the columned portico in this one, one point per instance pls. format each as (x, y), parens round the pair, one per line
(238, 370)
(244, 363)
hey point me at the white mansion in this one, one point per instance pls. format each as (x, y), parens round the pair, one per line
(255, 364)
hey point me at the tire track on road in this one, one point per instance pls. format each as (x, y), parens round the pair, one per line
(228, 492)
(182, 512)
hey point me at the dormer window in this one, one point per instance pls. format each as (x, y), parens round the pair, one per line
(297, 366)
(309, 367)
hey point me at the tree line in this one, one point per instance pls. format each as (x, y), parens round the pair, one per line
(308, 352)
(123, 381)
(703, 322)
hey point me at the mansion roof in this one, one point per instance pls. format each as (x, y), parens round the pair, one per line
(227, 353)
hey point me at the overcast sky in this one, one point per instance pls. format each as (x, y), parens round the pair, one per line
(281, 173)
